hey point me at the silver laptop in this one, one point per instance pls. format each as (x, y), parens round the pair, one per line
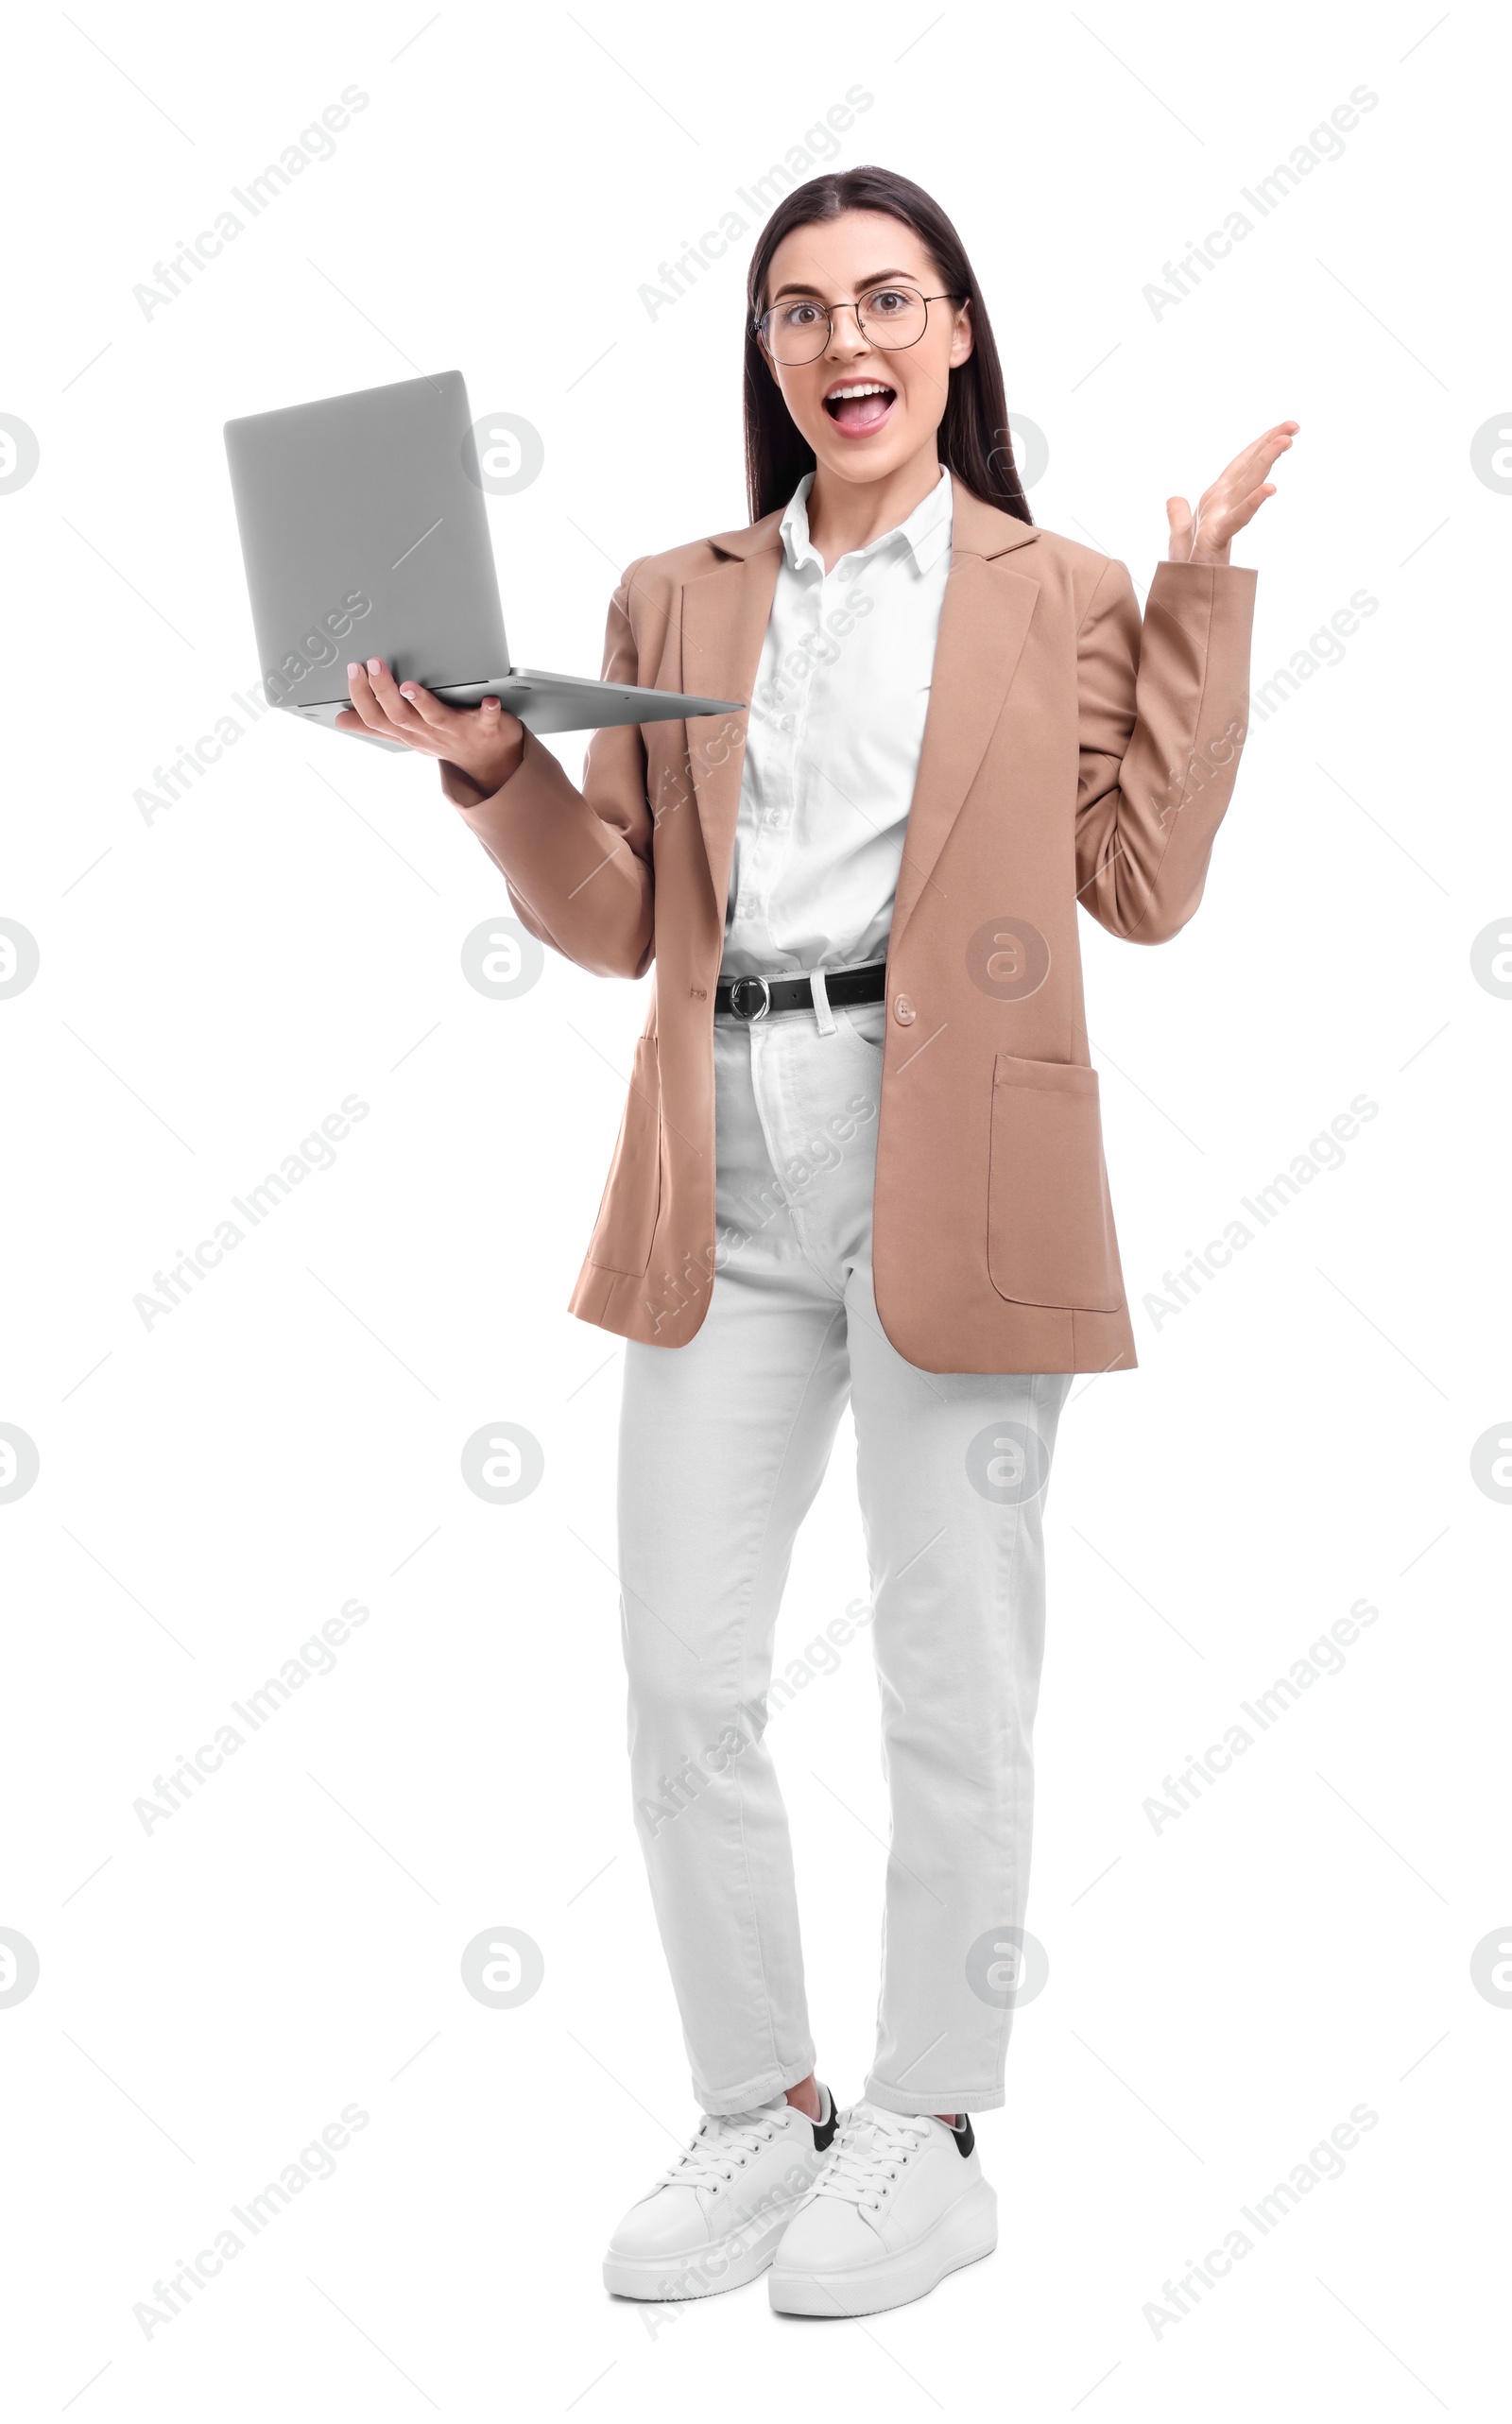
(365, 534)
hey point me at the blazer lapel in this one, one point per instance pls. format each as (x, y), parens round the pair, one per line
(725, 614)
(983, 624)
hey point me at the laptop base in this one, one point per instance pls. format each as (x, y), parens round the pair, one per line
(548, 703)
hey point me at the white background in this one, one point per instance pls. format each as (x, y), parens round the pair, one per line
(213, 982)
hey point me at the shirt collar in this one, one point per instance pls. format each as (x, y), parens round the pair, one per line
(923, 537)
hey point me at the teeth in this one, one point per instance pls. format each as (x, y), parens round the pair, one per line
(874, 387)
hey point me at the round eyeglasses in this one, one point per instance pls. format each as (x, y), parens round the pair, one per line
(891, 317)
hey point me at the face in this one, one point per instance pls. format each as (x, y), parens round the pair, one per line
(866, 407)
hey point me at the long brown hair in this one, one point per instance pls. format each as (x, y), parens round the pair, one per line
(973, 437)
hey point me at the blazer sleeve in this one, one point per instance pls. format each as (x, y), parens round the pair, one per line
(1162, 716)
(578, 863)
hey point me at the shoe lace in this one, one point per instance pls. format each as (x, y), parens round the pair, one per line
(870, 2147)
(722, 2144)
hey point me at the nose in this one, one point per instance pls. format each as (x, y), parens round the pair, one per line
(847, 336)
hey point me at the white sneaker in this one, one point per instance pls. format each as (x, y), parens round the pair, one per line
(715, 2215)
(901, 2203)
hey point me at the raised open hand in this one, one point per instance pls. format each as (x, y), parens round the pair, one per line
(1235, 496)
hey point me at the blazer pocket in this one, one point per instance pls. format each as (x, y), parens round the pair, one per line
(632, 1198)
(1049, 1220)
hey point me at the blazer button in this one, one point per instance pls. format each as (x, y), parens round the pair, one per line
(904, 1012)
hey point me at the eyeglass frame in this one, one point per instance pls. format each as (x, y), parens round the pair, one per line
(888, 287)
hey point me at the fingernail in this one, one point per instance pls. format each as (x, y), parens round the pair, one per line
(406, 690)
(352, 669)
(375, 664)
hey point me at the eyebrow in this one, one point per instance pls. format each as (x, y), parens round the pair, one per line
(878, 278)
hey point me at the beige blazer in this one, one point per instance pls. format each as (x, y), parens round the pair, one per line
(1068, 757)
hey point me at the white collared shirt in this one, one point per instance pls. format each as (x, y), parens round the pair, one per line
(836, 722)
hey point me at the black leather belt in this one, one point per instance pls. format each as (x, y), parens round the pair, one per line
(756, 997)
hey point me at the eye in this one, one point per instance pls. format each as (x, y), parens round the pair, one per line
(891, 302)
(798, 315)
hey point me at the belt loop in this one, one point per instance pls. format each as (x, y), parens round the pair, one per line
(821, 1002)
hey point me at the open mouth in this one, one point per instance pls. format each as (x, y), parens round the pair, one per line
(860, 405)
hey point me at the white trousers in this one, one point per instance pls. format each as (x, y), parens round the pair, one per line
(723, 1445)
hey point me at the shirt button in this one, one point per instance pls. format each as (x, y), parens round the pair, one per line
(847, 573)
(904, 1012)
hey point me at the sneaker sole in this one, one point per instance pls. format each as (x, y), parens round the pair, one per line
(962, 2235)
(725, 2264)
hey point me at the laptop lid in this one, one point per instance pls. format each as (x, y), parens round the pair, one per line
(365, 534)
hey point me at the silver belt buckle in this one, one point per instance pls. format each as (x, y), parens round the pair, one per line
(737, 1007)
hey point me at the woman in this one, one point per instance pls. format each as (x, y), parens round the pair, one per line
(861, 1157)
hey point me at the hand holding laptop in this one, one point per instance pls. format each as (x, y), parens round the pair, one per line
(368, 509)
(483, 743)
